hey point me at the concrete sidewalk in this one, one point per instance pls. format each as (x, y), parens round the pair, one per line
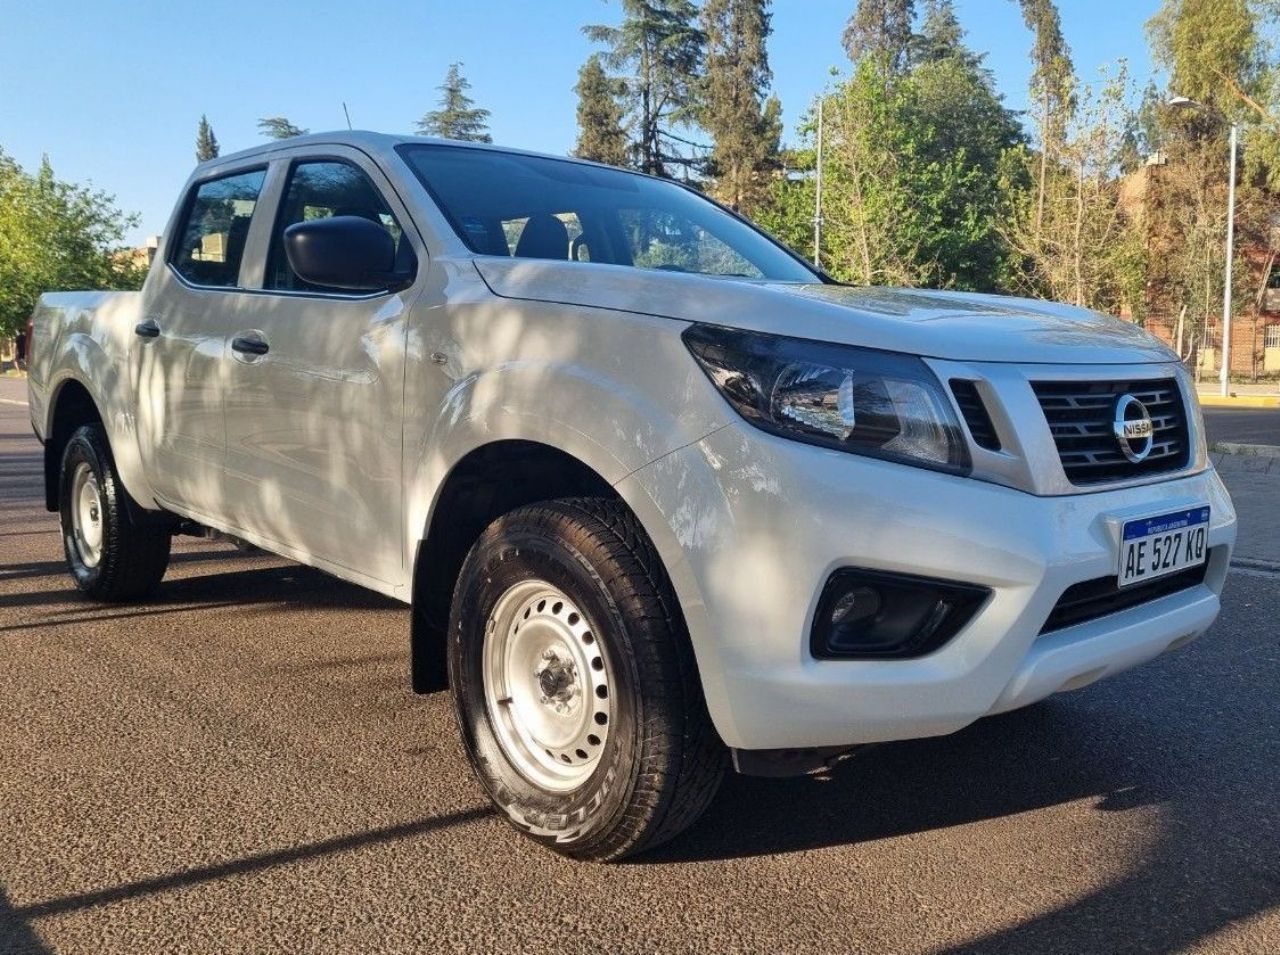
(1262, 394)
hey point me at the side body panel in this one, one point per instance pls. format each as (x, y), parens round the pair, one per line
(86, 337)
(614, 391)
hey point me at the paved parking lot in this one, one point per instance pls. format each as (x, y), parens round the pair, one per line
(1243, 425)
(240, 766)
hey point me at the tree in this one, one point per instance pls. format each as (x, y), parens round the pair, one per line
(458, 117)
(745, 130)
(658, 52)
(1072, 236)
(206, 142)
(1144, 132)
(56, 236)
(881, 30)
(601, 136)
(277, 127)
(1218, 54)
(941, 35)
(912, 174)
(1211, 49)
(1052, 85)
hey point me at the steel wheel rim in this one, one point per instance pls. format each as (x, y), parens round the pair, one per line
(547, 686)
(86, 515)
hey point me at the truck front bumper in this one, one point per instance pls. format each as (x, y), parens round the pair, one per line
(751, 526)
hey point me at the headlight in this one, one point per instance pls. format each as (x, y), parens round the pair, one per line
(875, 403)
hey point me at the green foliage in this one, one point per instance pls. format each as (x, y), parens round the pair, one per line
(881, 30)
(941, 35)
(206, 142)
(657, 57)
(912, 175)
(744, 126)
(56, 236)
(1053, 77)
(1072, 236)
(458, 117)
(1211, 49)
(1218, 54)
(600, 134)
(277, 127)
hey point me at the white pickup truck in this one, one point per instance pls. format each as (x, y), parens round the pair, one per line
(662, 497)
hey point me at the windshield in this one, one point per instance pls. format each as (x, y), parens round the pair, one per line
(532, 207)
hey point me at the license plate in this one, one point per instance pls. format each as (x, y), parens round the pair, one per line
(1156, 546)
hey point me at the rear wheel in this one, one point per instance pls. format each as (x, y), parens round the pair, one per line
(115, 550)
(575, 685)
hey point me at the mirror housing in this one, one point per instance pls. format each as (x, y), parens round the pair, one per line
(345, 252)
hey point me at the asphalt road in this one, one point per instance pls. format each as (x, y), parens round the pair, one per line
(1243, 425)
(239, 766)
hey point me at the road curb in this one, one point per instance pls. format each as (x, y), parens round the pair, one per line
(1245, 450)
(1240, 401)
(1253, 565)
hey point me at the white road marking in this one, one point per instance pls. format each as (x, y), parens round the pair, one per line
(11, 401)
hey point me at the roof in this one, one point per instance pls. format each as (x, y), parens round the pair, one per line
(373, 142)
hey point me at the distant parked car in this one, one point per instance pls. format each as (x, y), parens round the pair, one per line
(663, 496)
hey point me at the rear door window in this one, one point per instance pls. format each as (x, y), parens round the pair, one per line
(211, 241)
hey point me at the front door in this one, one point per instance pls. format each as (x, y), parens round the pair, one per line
(314, 405)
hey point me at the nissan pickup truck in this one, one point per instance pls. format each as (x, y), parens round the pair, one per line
(663, 498)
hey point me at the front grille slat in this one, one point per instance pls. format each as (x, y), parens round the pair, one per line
(1079, 416)
(976, 416)
(1094, 599)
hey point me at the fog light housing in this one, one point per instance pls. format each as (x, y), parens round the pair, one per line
(873, 615)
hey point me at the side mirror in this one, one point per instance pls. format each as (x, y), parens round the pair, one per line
(345, 252)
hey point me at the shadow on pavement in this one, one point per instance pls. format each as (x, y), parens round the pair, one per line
(288, 586)
(14, 920)
(1190, 739)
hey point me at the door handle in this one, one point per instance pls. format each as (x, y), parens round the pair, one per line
(147, 329)
(250, 346)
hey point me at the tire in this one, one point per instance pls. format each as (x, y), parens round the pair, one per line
(115, 550)
(594, 591)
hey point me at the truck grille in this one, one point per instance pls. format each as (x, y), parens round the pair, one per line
(1080, 418)
(1093, 599)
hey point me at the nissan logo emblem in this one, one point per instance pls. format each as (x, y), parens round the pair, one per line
(1133, 429)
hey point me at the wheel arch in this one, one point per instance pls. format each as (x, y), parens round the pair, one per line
(487, 482)
(71, 407)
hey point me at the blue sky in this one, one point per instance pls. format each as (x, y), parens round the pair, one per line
(112, 91)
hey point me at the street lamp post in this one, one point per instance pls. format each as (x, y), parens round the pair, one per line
(1231, 242)
(1184, 102)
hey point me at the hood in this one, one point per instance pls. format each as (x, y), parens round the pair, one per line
(959, 326)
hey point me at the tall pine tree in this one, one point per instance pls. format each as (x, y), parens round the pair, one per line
(601, 136)
(881, 29)
(206, 142)
(745, 136)
(458, 117)
(1053, 83)
(941, 35)
(658, 52)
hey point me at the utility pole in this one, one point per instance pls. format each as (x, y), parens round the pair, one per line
(1231, 244)
(817, 208)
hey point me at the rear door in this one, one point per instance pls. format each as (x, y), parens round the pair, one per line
(314, 404)
(179, 361)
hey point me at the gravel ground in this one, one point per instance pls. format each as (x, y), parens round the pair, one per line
(239, 765)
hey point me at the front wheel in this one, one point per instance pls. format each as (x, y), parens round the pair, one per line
(115, 550)
(575, 685)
